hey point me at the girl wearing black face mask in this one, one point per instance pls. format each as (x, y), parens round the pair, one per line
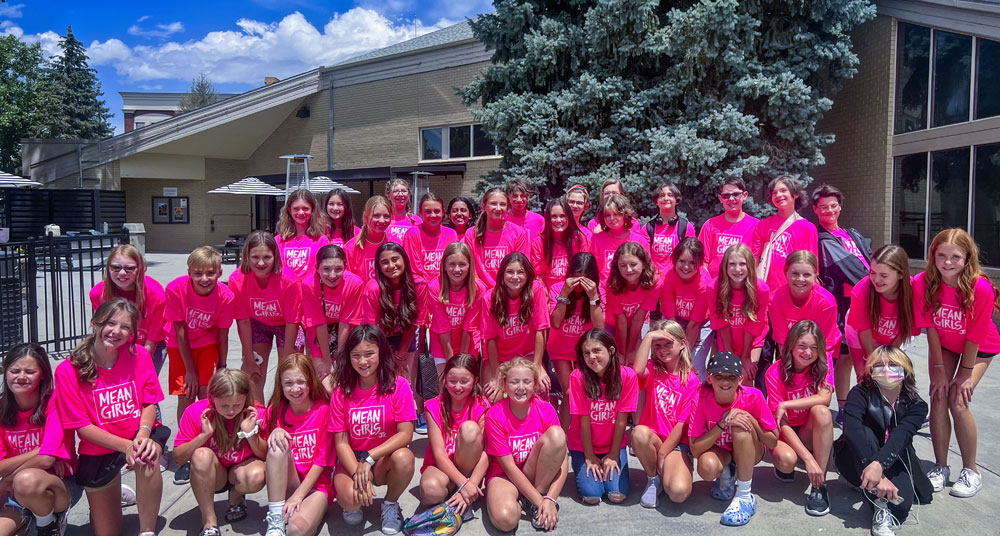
(875, 452)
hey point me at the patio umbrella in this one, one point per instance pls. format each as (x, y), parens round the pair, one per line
(247, 186)
(322, 185)
(13, 181)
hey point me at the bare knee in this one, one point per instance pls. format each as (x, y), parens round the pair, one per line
(641, 436)
(252, 477)
(709, 467)
(470, 434)
(278, 454)
(820, 416)
(402, 460)
(202, 459)
(784, 458)
(956, 410)
(505, 518)
(676, 491)
(432, 492)
(555, 437)
(27, 483)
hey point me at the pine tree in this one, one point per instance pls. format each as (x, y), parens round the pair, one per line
(202, 93)
(20, 81)
(648, 91)
(73, 107)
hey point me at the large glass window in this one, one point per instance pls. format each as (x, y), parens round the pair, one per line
(483, 144)
(986, 215)
(949, 190)
(462, 141)
(431, 144)
(952, 78)
(988, 83)
(910, 203)
(914, 43)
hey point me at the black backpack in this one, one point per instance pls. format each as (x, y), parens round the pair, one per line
(682, 227)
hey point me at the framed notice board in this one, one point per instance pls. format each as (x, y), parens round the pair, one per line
(171, 210)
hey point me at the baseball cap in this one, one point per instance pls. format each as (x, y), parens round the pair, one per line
(724, 362)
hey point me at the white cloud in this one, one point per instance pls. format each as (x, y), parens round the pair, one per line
(258, 49)
(49, 40)
(162, 30)
(144, 18)
(11, 10)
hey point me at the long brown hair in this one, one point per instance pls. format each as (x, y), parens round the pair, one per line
(395, 317)
(647, 278)
(483, 216)
(278, 403)
(226, 383)
(819, 368)
(346, 378)
(110, 290)
(970, 274)
(612, 377)
(82, 357)
(459, 361)
(346, 224)
(366, 218)
(317, 221)
(457, 248)
(498, 304)
(258, 239)
(896, 258)
(573, 238)
(8, 404)
(725, 296)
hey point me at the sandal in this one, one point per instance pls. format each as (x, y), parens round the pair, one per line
(211, 531)
(236, 513)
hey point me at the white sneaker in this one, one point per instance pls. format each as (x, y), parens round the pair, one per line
(275, 525)
(968, 484)
(883, 522)
(353, 517)
(392, 518)
(939, 476)
(128, 496)
(650, 495)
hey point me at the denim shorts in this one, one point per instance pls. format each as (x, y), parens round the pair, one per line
(589, 487)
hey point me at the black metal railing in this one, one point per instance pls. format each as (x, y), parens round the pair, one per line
(44, 286)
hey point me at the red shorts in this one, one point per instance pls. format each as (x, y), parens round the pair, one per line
(205, 359)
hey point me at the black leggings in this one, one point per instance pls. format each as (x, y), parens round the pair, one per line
(848, 463)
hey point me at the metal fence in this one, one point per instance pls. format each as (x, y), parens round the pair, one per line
(44, 286)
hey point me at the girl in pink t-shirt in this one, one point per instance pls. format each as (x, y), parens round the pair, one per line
(552, 248)
(578, 199)
(493, 237)
(956, 301)
(617, 217)
(739, 314)
(399, 194)
(455, 461)
(371, 417)
(770, 247)
(221, 437)
(802, 298)
(660, 440)
(268, 306)
(519, 193)
(602, 394)
(684, 294)
(456, 301)
(882, 311)
(299, 462)
(360, 250)
(340, 217)
(799, 388)
(632, 294)
(331, 306)
(608, 188)
(577, 309)
(663, 230)
(425, 243)
(124, 269)
(523, 438)
(515, 321)
(729, 429)
(35, 454)
(300, 233)
(461, 213)
(106, 391)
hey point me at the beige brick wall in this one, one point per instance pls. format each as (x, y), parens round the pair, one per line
(859, 162)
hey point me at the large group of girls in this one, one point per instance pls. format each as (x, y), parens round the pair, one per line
(558, 345)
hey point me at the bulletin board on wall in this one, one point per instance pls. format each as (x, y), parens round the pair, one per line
(171, 210)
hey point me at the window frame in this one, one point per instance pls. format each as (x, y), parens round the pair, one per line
(445, 132)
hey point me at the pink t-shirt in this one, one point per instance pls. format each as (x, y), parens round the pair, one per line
(517, 339)
(151, 317)
(338, 236)
(708, 412)
(322, 305)
(888, 323)
(737, 321)
(371, 308)
(50, 439)
(298, 254)
(670, 399)
(664, 242)
(368, 417)
(455, 317)
(113, 402)
(475, 411)
(495, 247)
(801, 234)
(851, 248)
(551, 270)
(277, 304)
(401, 225)
(954, 325)
(819, 307)
(602, 412)
(603, 246)
(532, 222)
(311, 443)
(426, 251)
(203, 315)
(685, 300)
(718, 234)
(361, 262)
(506, 435)
(801, 386)
(629, 302)
(561, 343)
(190, 428)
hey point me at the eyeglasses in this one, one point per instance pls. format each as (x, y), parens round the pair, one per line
(115, 268)
(733, 195)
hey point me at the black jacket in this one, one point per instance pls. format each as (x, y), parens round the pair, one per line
(838, 266)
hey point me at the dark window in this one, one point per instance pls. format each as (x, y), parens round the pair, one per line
(986, 222)
(949, 190)
(952, 78)
(910, 203)
(913, 64)
(430, 142)
(483, 145)
(459, 142)
(988, 81)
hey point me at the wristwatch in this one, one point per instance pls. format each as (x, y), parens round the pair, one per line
(595, 301)
(365, 456)
(564, 301)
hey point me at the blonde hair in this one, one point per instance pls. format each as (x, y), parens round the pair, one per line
(457, 248)
(725, 296)
(110, 290)
(82, 357)
(366, 218)
(506, 366)
(226, 383)
(609, 182)
(685, 364)
(260, 239)
(970, 274)
(304, 364)
(205, 257)
(802, 256)
(894, 356)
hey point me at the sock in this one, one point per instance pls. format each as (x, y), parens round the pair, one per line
(275, 507)
(743, 488)
(46, 520)
(147, 533)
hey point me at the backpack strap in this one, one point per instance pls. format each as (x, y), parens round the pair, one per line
(651, 230)
(682, 228)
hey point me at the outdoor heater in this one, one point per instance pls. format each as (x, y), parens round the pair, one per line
(421, 185)
(296, 172)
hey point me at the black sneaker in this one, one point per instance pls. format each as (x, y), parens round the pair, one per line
(52, 529)
(183, 474)
(819, 502)
(784, 477)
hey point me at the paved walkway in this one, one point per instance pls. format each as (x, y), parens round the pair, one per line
(780, 507)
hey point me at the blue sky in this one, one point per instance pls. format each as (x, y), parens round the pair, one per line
(136, 47)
